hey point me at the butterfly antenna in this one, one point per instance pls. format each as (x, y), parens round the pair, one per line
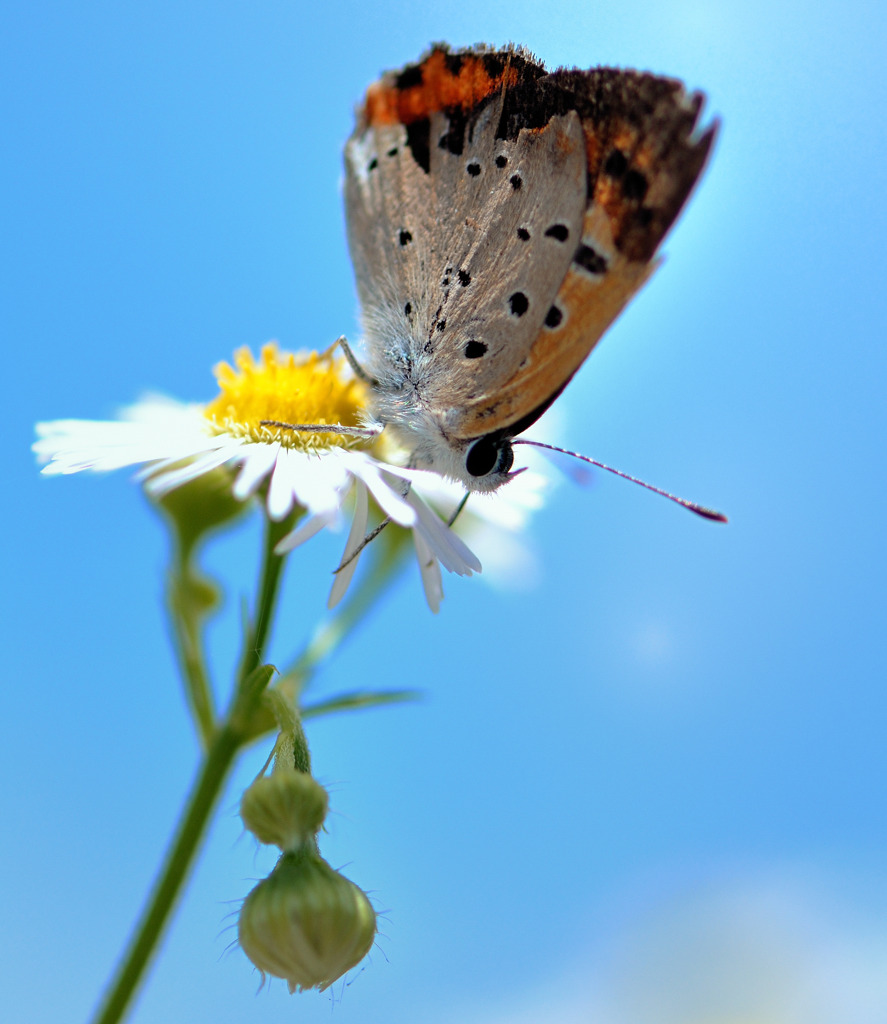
(700, 510)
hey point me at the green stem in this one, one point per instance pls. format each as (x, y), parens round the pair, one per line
(179, 859)
(269, 586)
(327, 638)
(226, 741)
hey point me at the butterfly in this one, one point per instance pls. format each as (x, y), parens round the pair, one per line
(500, 216)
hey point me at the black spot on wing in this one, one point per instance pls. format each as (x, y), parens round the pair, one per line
(405, 237)
(453, 63)
(532, 106)
(518, 303)
(634, 185)
(659, 116)
(410, 77)
(475, 349)
(589, 260)
(559, 232)
(453, 139)
(553, 317)
(419, 142)
(616, 164)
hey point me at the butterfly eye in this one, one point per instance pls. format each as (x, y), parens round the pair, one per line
(488, 454)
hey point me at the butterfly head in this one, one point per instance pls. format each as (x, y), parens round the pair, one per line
(478, 464)
(481, 464)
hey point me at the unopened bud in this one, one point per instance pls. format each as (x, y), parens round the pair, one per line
(306, 923)
(285, 808)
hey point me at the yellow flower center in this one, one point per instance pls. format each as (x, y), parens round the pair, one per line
(299, 389)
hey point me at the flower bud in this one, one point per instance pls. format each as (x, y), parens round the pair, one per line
(285, 808)
(306, 923)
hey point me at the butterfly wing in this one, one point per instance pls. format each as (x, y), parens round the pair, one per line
(458, 237)
(642, 159)
(499, 219)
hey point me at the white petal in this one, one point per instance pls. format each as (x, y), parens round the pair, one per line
(305, 531)
(70, 446)
(163, 482)
(355, 539)
(320, 480)
(432, 583)
(390, 501)
(280, 491)
(453, 552)
(257, 464)
(167, 430)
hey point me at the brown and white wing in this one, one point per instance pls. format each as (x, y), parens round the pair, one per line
(643, 156)
(499, 219)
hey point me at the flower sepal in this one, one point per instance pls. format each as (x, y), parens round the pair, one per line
(198, 507)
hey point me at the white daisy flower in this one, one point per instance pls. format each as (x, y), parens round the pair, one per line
(177, 443)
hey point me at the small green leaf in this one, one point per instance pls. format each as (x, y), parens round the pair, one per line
(359, 700)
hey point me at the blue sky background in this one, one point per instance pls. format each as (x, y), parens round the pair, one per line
(651, 788)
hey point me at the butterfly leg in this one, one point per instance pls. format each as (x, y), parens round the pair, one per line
(458, 510)
(371, 536)
(359, 371)
(323, 428)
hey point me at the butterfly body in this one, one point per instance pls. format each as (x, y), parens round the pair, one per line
(499, 218)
